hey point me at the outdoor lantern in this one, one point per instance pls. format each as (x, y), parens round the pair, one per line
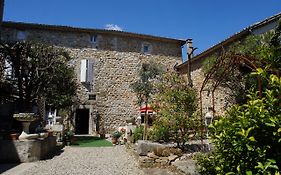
(139, 120)
(208, 118)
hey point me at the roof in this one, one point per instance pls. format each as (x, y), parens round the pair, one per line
(246, 31)
(22, 25)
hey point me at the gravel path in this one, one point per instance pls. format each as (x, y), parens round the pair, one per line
(83, 161)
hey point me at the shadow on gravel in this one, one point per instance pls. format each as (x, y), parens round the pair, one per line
(5, 167)
(57, 151)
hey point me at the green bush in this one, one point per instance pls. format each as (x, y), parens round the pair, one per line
(138, 133)
(247, 140)
(160, 133)
(176, 104)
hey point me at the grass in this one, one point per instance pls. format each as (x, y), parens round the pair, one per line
(91, 141)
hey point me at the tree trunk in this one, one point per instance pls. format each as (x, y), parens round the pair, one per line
(145, 123)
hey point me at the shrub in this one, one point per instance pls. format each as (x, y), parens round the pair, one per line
(138, 133)
(160, 133)
(176, 104)
(247, 140)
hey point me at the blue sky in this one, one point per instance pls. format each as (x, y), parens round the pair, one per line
(206, 21)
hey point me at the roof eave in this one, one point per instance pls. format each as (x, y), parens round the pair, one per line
(22, 25)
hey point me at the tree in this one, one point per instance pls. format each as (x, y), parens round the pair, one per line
(176, 103)
(34, 71)
(144, 87)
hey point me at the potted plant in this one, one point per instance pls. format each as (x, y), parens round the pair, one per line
(102, 133)
(115, 136)
(69, 137)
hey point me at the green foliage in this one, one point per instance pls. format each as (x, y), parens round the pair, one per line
(39, 71)
(247, 139)
(176, 103)
(144, 87)
(160, 132)
(138, 133)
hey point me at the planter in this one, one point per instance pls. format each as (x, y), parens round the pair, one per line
(25, 119)
(114, 140)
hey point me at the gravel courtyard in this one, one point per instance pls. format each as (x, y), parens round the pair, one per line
(85, 161)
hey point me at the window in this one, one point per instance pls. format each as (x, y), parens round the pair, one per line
(21, 35)
(92, 96)
(9, 71)
(86, 73)
(93, 39)
(146, 48)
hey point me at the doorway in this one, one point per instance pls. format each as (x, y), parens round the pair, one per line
(82, 121)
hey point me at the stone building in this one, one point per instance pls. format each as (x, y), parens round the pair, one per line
(106, 62)
(221, 101)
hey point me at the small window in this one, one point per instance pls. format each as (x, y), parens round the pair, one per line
(21, 35)
(92, 96)
(93, 39)
(145, 48)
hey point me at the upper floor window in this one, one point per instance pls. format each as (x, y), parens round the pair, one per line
(93, 38)
(21, 35)
(86, 71)
(146, 48)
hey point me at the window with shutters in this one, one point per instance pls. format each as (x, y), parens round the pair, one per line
(86, 70)
(93, 39)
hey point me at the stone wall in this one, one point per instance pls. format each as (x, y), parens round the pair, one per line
(116, 62)
(221, 98)
(26, 151)
(114, 72)
(81, 38)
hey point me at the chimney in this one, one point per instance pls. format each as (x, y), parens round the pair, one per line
(189, 56)
(189, 47)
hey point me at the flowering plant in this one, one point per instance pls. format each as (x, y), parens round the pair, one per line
(123, 130)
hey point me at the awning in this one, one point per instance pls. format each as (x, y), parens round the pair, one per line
(146, 109)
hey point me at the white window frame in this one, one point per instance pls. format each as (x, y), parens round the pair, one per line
(86, 71)
(93, 39)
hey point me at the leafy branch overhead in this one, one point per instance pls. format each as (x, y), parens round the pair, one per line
(35, 70)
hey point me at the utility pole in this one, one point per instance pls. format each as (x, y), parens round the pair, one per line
(190, 50)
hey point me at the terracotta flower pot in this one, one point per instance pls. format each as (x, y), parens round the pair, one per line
(114, 140)
(14, 136)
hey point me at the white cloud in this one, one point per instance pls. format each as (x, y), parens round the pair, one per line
(113, 27)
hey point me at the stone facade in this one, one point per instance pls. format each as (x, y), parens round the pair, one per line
(222, 99)
(115, 57)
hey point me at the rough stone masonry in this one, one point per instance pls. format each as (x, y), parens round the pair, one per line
(112, 59)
